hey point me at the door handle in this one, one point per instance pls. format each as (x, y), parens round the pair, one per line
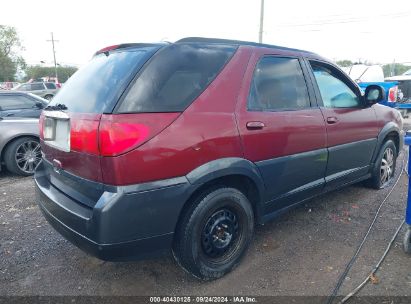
(255, 125)
(332, 120)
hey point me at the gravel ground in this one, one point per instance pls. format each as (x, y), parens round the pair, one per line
(301, 253)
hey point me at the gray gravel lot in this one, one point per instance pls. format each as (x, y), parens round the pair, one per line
(300, 253)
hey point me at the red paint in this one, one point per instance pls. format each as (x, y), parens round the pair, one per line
(204, 132)
(285, 132)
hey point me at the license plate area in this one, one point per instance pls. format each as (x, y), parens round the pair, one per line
(56, 130)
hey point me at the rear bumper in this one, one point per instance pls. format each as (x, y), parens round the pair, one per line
(126, 223)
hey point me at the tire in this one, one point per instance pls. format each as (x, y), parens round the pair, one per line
(214, 233)
(407, 241)
(48, 97)
(22, 156)
(379, 179)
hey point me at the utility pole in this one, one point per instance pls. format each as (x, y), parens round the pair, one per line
(54, 55)
(260, 33)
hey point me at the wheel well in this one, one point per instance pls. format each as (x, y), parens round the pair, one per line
(12, 140)
(395, 138)
(240, 182)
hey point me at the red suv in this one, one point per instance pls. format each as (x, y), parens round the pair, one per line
(186, 146)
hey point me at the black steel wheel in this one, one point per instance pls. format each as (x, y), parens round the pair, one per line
(214, 233)
(23, 155)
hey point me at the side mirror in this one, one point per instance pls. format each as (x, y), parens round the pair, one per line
(374, 94)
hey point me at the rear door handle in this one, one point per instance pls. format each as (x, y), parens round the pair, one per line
(332, 120)
(255, 125)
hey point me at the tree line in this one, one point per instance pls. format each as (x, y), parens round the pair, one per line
(390, 69)
(13, 66)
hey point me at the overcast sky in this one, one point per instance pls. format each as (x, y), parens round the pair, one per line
(379, 31)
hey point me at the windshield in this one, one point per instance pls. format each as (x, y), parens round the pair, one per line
(97, 86)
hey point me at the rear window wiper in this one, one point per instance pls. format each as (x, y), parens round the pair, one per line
(57, 107)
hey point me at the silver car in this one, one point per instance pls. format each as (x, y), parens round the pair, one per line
(46, 90)
(19, 145)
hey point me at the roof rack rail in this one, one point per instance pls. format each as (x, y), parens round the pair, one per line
(234, 42)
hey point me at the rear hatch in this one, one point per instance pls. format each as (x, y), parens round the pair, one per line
(124, 97)
(69, 125)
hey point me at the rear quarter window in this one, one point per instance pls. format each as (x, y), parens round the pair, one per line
(175, 77)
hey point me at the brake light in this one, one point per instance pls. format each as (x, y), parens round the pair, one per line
(121, 133)
(107, 49)
(84, 136)
(112, 135)
(392, 94)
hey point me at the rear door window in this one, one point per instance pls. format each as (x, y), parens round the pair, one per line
(175, 77)
(278, 85)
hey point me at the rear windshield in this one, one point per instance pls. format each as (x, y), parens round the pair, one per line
(97, 86)
(174, 77)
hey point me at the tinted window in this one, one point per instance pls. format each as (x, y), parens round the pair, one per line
(24, 87)
(10, 102)
(50, 86)
(96, 87)
(335, 93)
(174, 77)
(37, 86)
(278, 84)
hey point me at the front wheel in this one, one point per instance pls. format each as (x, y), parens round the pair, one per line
(384, 167)
(214, 233)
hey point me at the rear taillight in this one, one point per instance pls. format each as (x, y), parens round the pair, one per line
(392, 94)
(84, 135)
(117, 138)
(121, 133)
(112, 135)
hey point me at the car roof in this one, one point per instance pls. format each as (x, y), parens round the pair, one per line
(208, 41)
(238, 43)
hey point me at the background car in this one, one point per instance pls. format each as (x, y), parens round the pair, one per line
(20, 104)
(19, 145)
(47, 90)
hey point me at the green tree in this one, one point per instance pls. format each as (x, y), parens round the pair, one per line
(394, 69)
(38, 71)
(10, 61)
(344, 63)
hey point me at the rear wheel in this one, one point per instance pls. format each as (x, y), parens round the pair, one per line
(23, 155)
(384, 167)
(48, 97)
(214, 233)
